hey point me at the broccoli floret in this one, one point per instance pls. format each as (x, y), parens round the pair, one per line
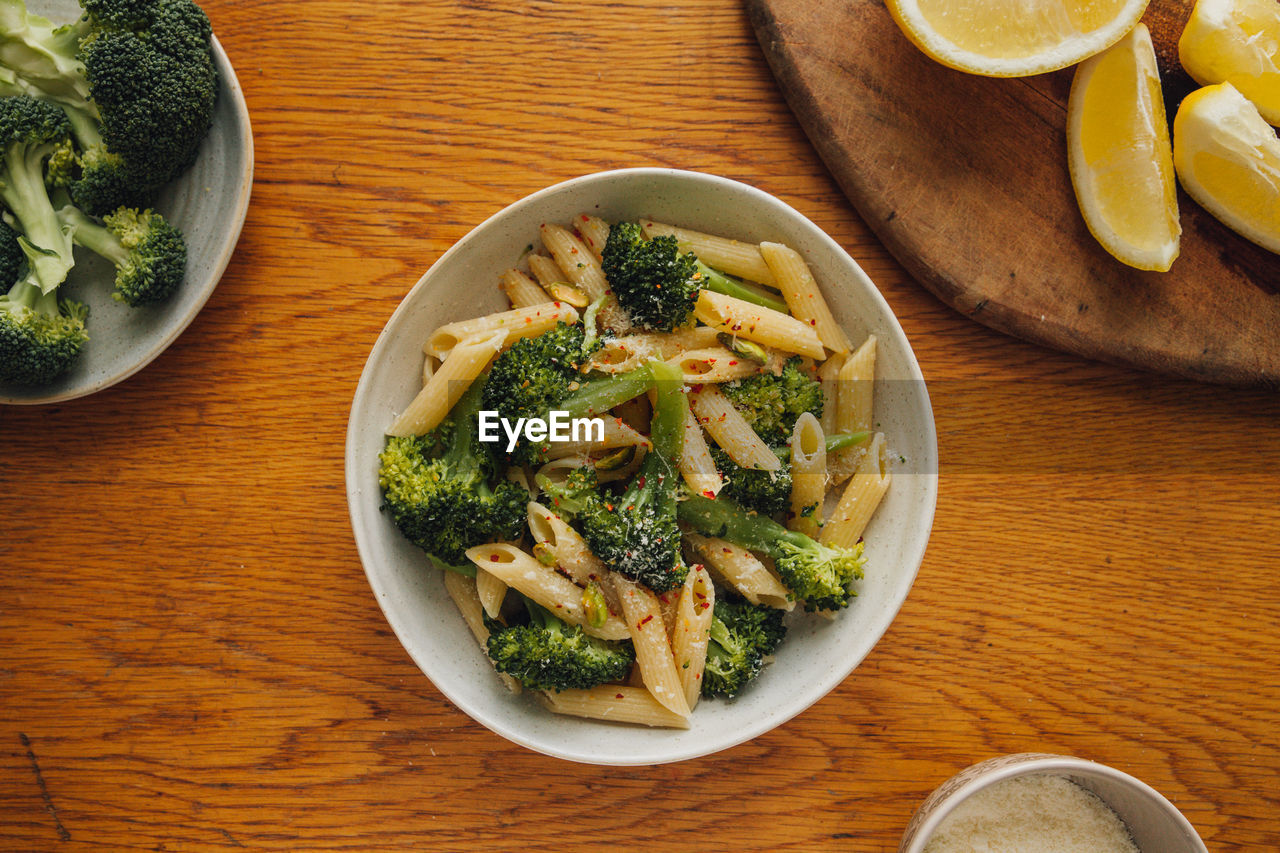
(40, 334)
(658, 284)
(635, 532)
(149, 254)
(13, 260)
(534, 375)
(766, 492)
(742, 635)
(550, 654)
(444, 491)
(819, 575)
(139, 83)
(31, 131)
(651, 278)
(772, 403)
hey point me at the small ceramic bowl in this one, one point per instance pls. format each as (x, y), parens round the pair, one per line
(208, 203)
(1155, 825)
(818, 653)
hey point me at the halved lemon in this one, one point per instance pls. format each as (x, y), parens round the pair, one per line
(1014, 38)
(1119, 154)
(1236, 42)
(1228, 159)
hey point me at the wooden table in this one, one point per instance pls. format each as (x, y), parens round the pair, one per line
(193, 659)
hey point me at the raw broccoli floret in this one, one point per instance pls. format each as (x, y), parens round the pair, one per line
(149, 254)
(31, 131)
(139, 83)
(820, 575)
(766, 492)
(772, 403)
(13, 261)
(535, 374)
(550, 654)
(651, 278)
(40, 334)
(742, 635)
(444, 490)
(635, 532)
(658, 284)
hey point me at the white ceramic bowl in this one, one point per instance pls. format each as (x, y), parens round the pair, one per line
(1155, 825)
(818, 654)
(208, 203)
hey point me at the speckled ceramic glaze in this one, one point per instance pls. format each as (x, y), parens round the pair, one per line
(818, 653)
(208, 203)
(1155, 825)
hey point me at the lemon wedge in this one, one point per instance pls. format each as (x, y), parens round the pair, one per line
(1236, 42)
(1014, 38)
(1119, 155)
(1228, 159)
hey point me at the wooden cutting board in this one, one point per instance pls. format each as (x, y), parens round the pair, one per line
(965, 180)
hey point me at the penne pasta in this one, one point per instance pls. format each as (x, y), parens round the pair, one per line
(581, 268)
(697, 467)
(447, 384)
(861, 497)
(517, 323)
(523, 573)
(714, 365)
(594, 232)
(808, 475)
(620, 354)
(730, 430)
(643, 614)
(854, 408)
(463, 592)
(491, 591)
(730, 256)
(801, 293)
(691, 631)
(521, 290)
(553, 535)
(757, 323)
(612, 433)
(739, 569)
(615, 702)
(829, 379)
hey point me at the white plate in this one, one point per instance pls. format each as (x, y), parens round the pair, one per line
(817, 654)
(208, 203)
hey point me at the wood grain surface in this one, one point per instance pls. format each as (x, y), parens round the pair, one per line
(193, 659)
(965, 180)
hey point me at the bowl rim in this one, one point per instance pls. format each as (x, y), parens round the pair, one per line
(913, 555)
(229, 88)
(950, 794)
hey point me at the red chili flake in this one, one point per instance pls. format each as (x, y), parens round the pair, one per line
(494, 558)
(609, 507)
(644, 621)
(640, 483)
(813, 322)
(703, 605)
(700, 595)
(708, 493)
(573, 251)
(619, 696)
(733, 363)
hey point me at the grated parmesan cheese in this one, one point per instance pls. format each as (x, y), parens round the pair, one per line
(1032, 814)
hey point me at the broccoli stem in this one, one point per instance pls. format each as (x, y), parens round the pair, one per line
(597, 396)
(834, 442)
(47, 246)
(93, 236)
(42, 55)
(666, 429)
(724, 520)
(716, 281)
